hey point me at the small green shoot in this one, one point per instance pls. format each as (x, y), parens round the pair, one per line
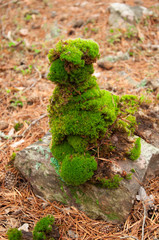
(18, 126)
(11, 44)
(12, 157)
(28, 17)
(16, 103)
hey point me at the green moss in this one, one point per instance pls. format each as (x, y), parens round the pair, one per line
(130, 103)
(18, 126)
(14, 234)
(136, 150)
(110, 183)
(127, 124)
(78, 143)
(77, 169)
(57, 72)
(13, 156)
(61, 150)
(112, 216)
(80, 113)
(43, 228)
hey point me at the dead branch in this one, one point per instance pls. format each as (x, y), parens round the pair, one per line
(31, 124)
(129, 237)
(5, 4)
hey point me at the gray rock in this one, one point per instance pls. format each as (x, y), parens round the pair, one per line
(121, 14)
(78, 23)
(111, 58)
(97, 202)
(54, 32)
(53, 14)
(154, 84)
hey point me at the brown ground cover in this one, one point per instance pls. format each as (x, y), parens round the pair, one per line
(29, 28)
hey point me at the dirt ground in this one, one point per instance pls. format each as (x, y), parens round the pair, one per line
(29, 28)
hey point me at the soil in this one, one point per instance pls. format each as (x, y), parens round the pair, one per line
(29, 29)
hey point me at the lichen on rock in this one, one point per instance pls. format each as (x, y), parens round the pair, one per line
(83, 117)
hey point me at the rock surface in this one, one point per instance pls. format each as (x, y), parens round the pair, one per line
(120, 56)
(97, 202)
(122, 14)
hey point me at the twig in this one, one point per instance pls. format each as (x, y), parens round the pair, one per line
(144, 219)
(28, 88)
(31, 124)
(5, 4)
(129, 237)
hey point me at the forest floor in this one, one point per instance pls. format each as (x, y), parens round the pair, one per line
(29, 28)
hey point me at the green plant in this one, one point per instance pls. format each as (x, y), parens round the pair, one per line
(13, 156)
(27, 71)
(43, 228)
(16, 103)
(28, 17)
(114, 39)
(110, 183)
(11, 44)
(135, 152)
(14, 234)
(18, 126)
(8, 91)
(131, 32)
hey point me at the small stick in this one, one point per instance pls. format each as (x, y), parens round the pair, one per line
(144, 219)
(5, 4)
(129, 237)
(31, 124)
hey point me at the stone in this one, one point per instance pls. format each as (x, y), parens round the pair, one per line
(105, 64)
(53, 14)
(78, 23)
(23, 32)
(121, 14)
(138, 2)
(154, 84)
(98, 203)
(3, 125)
(112, 59)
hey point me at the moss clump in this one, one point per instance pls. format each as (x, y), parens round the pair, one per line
(43, 228)
(13, 156)
(81, 114)
(77, 169)
(14, 234)
(110, 183)
(136, 150)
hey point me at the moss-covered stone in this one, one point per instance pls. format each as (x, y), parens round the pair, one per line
(80, 113)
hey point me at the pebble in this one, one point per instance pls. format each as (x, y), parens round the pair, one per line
(78, 23)
(23, 32)
(105, 64)
(53, 14)
(3, 125)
